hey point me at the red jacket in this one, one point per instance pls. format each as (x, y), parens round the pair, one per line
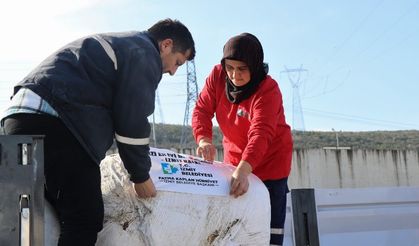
(254, 130)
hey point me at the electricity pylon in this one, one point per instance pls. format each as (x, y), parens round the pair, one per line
(191, 97)
(294, 76)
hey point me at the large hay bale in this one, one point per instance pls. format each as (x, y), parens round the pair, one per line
(176, 218)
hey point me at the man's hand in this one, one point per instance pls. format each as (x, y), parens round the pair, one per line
(145, 189)
(239, 180)
(206, 149)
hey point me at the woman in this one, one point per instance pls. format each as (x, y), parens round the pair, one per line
(248, 107)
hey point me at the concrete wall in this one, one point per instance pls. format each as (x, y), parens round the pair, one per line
(331, 168)
(348, 168)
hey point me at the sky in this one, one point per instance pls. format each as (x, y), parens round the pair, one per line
(354, 64)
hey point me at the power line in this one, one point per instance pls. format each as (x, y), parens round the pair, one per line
(359, 55)
(369, 121)
(328, 91)
(385, 31)
(388, 49)
(339, 47)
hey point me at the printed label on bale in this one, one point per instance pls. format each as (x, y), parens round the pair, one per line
(171, 171)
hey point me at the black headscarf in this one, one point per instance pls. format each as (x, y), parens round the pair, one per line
(245, 48)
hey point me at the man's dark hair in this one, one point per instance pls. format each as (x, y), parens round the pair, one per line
(175, 30)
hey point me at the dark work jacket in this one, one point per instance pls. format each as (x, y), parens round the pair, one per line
(104, 86)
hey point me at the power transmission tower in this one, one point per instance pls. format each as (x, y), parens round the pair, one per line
(191, 97)
(160, 107)
(294, 76)
(154, 118)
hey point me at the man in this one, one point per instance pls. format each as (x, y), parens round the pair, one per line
(83, 96)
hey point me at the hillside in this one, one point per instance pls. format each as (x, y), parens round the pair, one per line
(168, 136)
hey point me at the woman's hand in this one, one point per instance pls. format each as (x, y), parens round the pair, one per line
(206, 149)
(239, 179)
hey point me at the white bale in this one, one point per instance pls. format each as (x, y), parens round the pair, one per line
(174, 218)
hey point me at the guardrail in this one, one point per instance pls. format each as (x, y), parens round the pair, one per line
(363, 217)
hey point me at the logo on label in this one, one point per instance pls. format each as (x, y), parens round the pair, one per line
(168, 168)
